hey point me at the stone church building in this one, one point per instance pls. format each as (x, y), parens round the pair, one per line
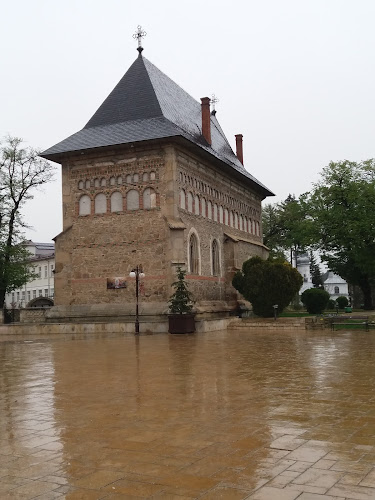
(151, 180)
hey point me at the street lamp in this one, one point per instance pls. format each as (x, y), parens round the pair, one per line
(138, 274)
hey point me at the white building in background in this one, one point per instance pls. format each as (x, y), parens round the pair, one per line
(333, 284)
(336, 286)
(42, 259)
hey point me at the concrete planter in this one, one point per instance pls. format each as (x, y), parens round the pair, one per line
(181, 323)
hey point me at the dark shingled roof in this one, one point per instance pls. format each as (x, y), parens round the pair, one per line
(146, 104)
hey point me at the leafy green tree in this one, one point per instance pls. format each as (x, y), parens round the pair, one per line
(267, 282)
(21, 171)
(181, 301)
(342, 207)
(315, 300)
(286, 227)
(316, 275)
(342, 302)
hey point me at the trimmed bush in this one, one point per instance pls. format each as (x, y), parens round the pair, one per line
(315, 300)
(266, 283)
(342, 302)
(331, 304)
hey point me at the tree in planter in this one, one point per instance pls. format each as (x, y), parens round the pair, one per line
(315, 300)
(266, 283)
(181, 301)
(342, 302)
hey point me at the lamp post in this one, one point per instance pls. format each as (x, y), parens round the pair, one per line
(275, 308)
(138, 274)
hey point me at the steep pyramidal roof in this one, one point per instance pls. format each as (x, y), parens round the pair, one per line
(146, 104)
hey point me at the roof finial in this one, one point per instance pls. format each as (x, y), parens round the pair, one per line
(213, 101)
(138, 36)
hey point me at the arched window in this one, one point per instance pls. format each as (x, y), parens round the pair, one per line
(226, 217)
(221, 215)
(116, 202)
(145, 177)
(193, 254)
(128, 179)
(135, 178)
(84, 205)
(209, 210)
(215, 212)
(231, 219)
(245, 225)
(96, 182)
(80, 185)
(182, 199)
(103, 182)
(87, 184)
(258, 229)
(253, 226)
(337, 289)
(112, 181)
(152, 176)
(215, 258)
(241, 223)
(100, 203)
(196, 205)
(119, 180)
(149, 198)
(190, 202)
(132, 200)
(236, 221)
(203, 207)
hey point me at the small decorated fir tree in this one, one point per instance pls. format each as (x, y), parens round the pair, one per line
(181, 300)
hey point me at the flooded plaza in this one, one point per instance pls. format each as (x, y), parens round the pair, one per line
(222, 415)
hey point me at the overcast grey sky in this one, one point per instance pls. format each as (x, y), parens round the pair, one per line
(295, 77)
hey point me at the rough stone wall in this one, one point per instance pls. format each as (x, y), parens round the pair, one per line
(98, 246)
(238, 240)
(32, 315)
(106, 244)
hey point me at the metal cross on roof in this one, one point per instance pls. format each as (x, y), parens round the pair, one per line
(138, 35)
(213, 101)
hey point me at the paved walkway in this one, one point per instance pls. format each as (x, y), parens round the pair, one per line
(260, 415)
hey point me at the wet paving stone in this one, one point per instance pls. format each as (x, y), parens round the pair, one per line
(234, 415)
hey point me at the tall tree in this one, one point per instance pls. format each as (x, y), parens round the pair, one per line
(342, 206)
(316, 275)
(286, 227)
(21, 172)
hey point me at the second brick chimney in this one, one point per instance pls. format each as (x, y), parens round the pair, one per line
(206, 119)
(239, 148)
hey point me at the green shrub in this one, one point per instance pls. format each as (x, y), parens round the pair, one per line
(267, 282)
(342, 302)
(331, 304)
(315, 300)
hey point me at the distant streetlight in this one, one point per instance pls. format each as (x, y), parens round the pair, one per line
(138, 274)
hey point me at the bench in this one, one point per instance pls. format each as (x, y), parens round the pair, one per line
(350, 321)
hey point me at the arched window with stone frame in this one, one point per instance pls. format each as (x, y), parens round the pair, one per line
(100, 203)
(152, 176)
(145, 177)
(80, 185)
(215, 258)
(103, 181)
(116, 202)
(149, 199)
(193, 254)
(182, 199)
(96, 182)
(226, 217)
(84, 205)
(128, 179)
(196, 205)
(132, 199)
(209, 209)
(190, 202)
(203, 207)
(112, 181)
(87, 184)
(337, 289)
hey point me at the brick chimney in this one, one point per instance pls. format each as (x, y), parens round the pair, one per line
(239, 148)
(206, 119)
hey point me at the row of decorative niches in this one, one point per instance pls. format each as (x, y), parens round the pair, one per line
(100, 182)
(204, 188)
(217, 213)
